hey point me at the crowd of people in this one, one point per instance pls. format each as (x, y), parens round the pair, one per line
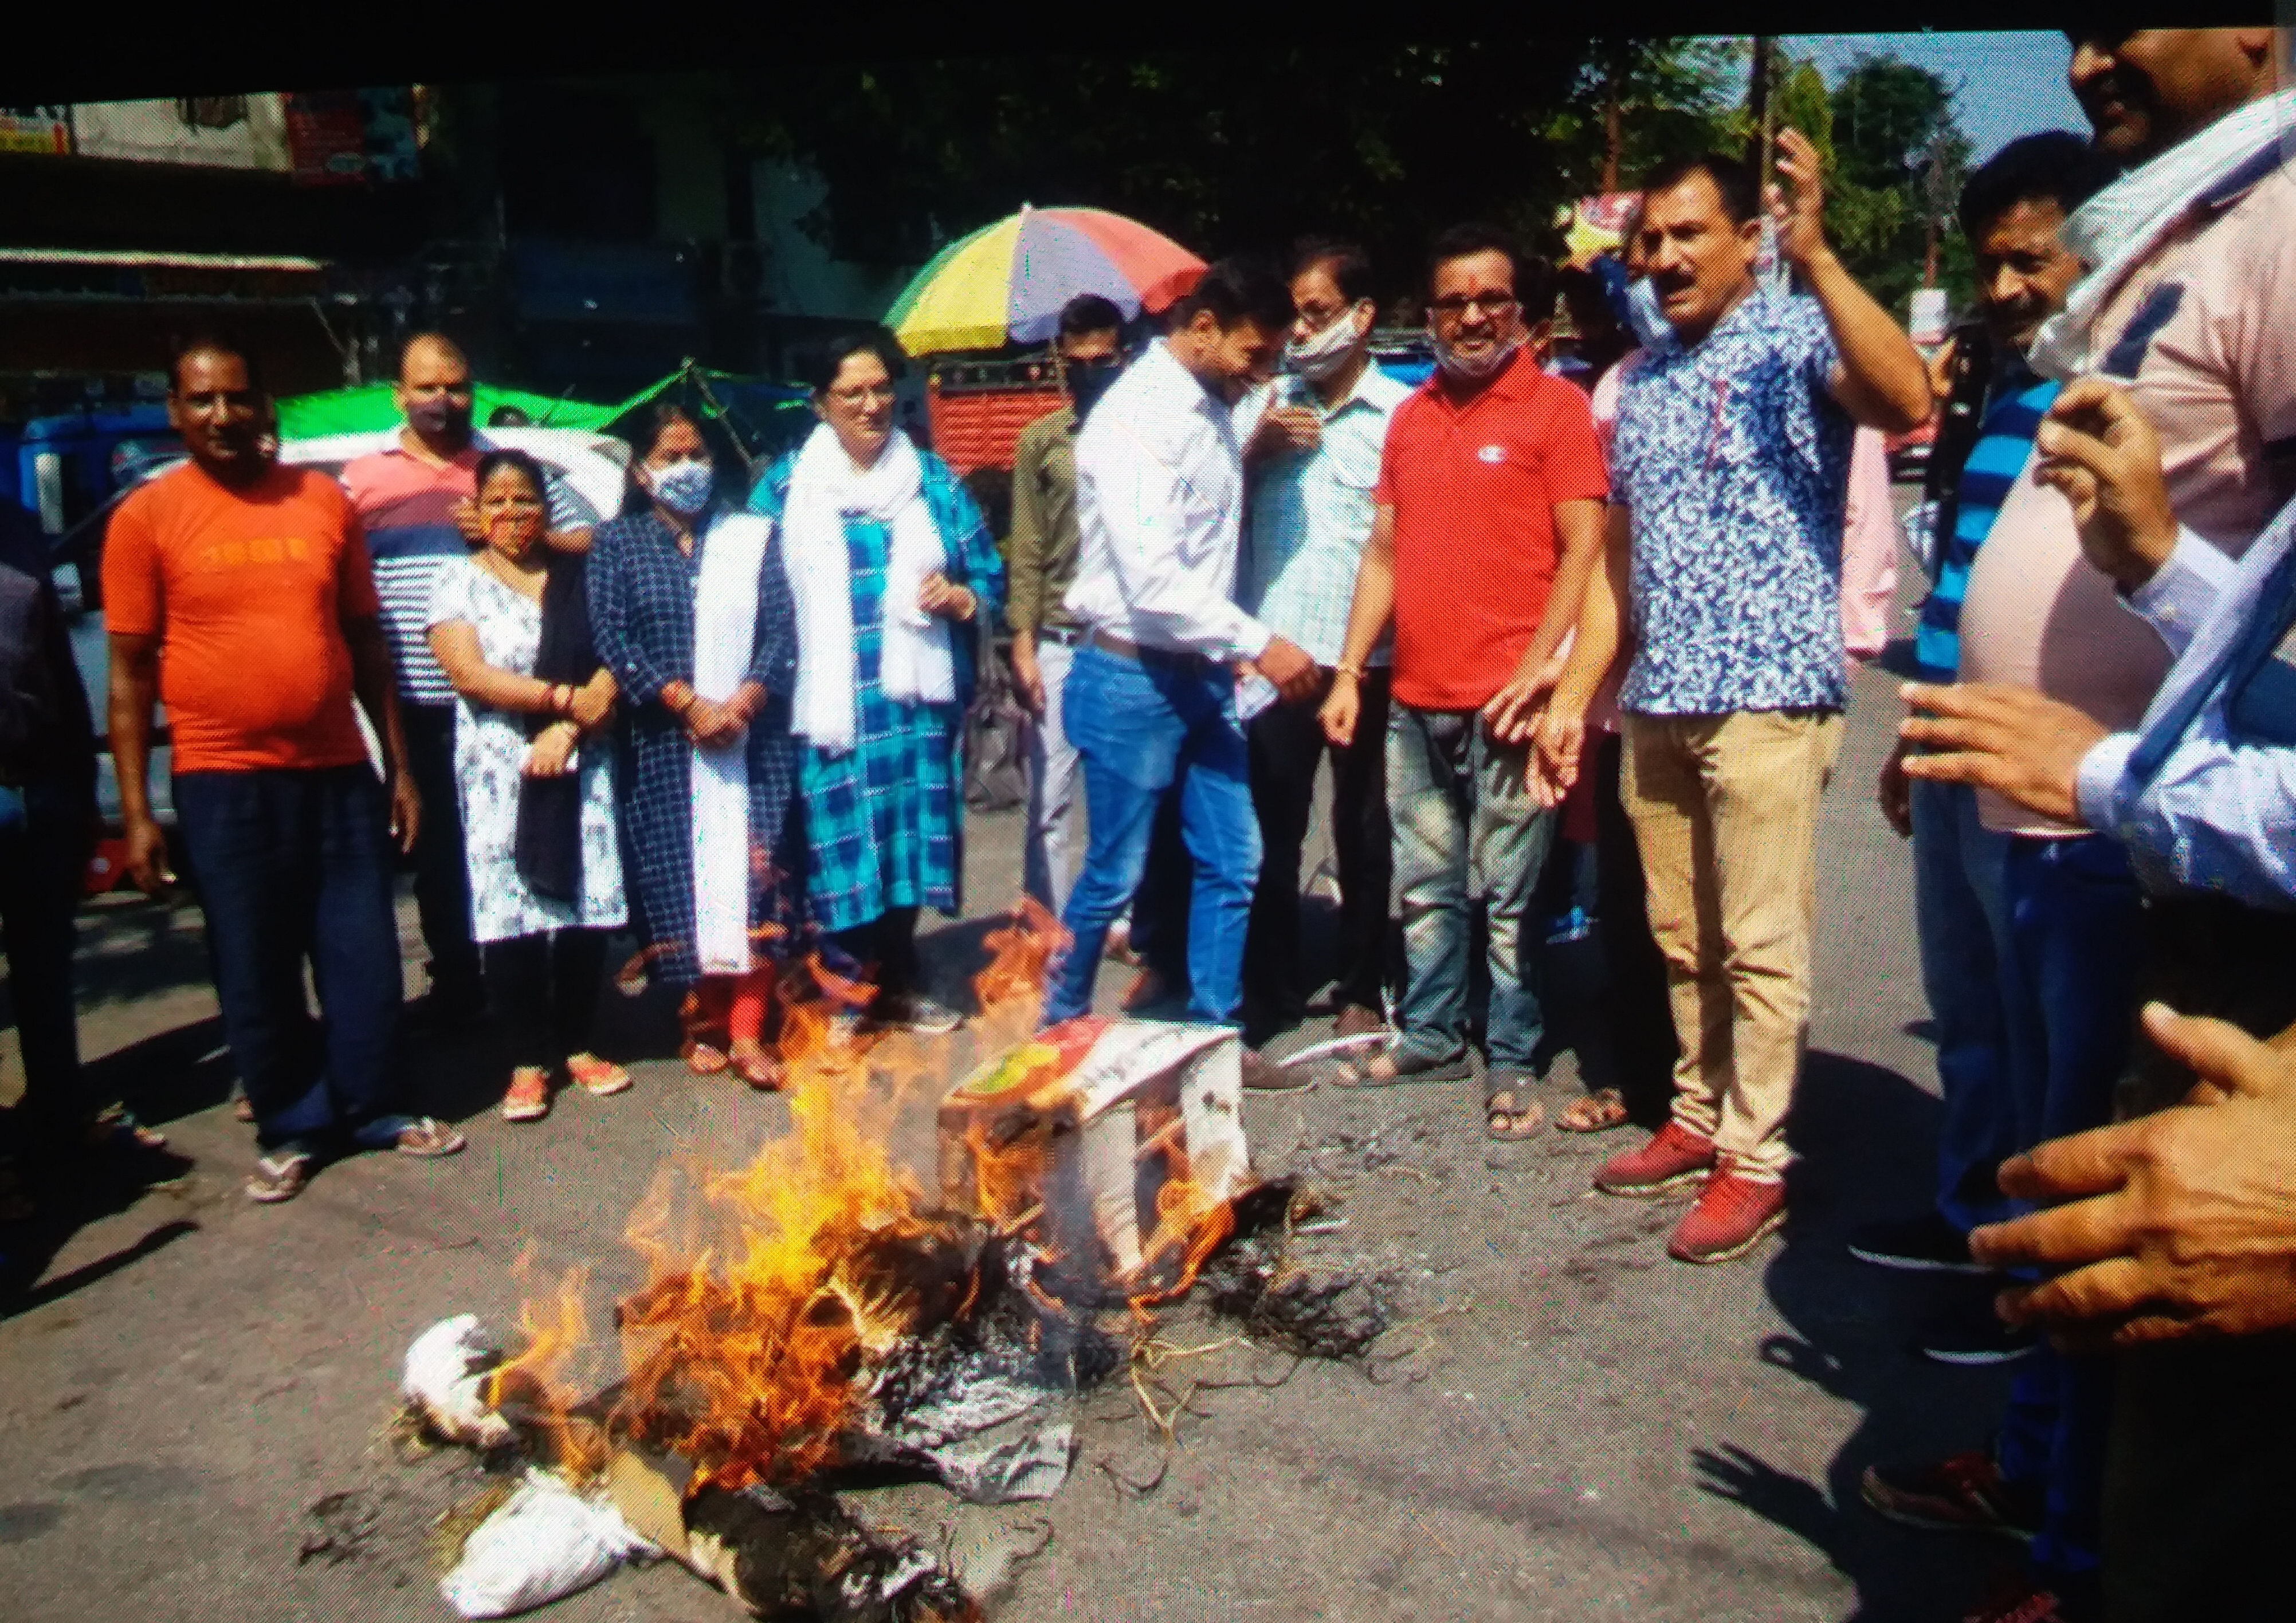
(1598, 621)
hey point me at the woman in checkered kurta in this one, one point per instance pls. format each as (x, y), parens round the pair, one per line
(881, 821)
(641, 611)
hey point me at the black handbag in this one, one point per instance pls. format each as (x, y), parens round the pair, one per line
(996, 736)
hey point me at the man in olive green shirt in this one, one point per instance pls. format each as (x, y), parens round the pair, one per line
(1040, 562)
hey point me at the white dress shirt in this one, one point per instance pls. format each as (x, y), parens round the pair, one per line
(1160, 508)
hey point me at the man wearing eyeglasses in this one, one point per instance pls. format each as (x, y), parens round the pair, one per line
(416, 502)
(1313, 440)
(1043, 563)
(1730, 466)
(1489, 522)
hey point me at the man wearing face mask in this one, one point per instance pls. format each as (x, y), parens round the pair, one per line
(1042, 562)
(1151, 699)
(1489, 522)
(1312, 460)
(416, 501)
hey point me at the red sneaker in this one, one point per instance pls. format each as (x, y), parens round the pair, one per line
(1674, 1156)
(1733, 1214)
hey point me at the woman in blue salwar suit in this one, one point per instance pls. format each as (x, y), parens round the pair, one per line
(690, 608)
(892, 570)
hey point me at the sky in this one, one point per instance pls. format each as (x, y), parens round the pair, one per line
(2006, 85)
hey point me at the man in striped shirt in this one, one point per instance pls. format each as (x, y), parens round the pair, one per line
(2011, 209)
(416, 501)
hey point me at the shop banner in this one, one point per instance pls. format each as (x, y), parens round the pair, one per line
(36, 128)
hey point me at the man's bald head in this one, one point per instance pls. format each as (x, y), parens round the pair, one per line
(434, 393)
(426, 351)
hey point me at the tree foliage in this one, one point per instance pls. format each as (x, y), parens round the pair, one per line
(1385, 142)
(1226, 150)
(1676, 98)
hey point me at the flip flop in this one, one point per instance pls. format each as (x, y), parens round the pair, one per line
(752, 1063)
(427, 1138)
(277, 1179)
(1510, 1113)
(1598, 1113)
(1393, 1068)
(115, 1126)
(704, 1058)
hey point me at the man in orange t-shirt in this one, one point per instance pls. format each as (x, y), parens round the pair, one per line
(1488, 520)
(237, 593)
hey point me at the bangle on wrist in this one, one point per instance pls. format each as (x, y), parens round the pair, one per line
(1346, 669)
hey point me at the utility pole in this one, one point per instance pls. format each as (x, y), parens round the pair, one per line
(1757, 101)
(1614, 129)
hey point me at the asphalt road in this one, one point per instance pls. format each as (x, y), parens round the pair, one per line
(1571, 1426)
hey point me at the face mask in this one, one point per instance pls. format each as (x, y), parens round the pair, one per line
(686, 487)
(1649, 323)
(1087, 383)
(514, 531)
(440, 418)
(1472, 367)
(1328, 350)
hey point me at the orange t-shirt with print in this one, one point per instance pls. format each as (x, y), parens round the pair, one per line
(247, 590)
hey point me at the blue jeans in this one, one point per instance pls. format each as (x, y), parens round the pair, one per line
(1968, 970)
(1141, 726)
(2076, 922)
(290, 865)
(1466, 824)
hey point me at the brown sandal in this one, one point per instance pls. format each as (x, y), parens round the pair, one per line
(1598, 1113)
(1512, 1114)
(752, 1063)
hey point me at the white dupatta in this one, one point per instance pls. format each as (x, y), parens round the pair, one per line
(725, 639)
(825, 489)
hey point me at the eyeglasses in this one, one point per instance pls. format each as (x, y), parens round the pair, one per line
(1455, 304)
(865, 394)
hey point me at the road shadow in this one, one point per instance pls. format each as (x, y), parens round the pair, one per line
(1865, 1137)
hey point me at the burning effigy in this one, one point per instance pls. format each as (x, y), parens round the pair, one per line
(821, 1310)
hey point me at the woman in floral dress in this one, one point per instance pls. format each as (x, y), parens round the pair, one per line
(515, 733)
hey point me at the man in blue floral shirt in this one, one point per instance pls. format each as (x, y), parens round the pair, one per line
(1729, 474)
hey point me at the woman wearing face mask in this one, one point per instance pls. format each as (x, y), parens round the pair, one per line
(892, 569)
(691, 608)
(509, 626)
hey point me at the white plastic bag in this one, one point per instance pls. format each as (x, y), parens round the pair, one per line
(446, 1371)
(547, 1541)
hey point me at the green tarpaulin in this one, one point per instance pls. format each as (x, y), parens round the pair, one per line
(370, 410)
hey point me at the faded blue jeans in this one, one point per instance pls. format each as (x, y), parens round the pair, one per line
(1140, 726)
(1969, 973)
(1466, 824)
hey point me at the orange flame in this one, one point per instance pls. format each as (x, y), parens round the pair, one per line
(767, 1288)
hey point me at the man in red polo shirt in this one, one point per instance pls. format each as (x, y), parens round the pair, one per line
(1490, 518)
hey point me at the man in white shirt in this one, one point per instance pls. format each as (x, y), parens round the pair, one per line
(1151, 699)
(1313, 441)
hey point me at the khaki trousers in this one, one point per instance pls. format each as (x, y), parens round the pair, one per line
(1725, 809)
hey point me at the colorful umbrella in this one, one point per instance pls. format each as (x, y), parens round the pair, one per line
(1007, 282)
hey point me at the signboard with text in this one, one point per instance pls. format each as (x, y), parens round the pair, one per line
(40, 128)
(350, 137)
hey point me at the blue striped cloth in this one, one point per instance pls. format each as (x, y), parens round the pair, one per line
(2013, 416)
